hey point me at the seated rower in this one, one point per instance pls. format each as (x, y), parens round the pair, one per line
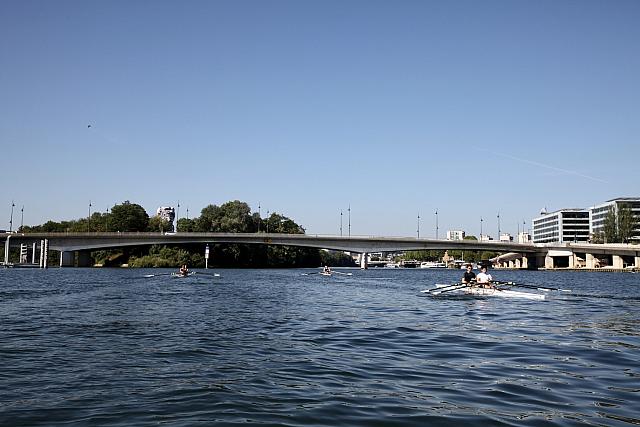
(327, 269)
(483, 279)
(469, 275)
(184, 271)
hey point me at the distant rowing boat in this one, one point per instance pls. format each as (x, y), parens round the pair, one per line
(191, 273)
(486, 292)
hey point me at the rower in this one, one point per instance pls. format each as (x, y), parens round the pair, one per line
(184, 271)
(483, 279)
(469, 275)
(327, 269)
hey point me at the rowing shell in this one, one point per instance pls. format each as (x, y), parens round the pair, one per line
(491, 292)
(191, 273)
(325, 273)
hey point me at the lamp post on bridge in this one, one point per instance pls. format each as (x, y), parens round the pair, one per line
(21, 217)
(89, 218)
(177, 217)
(349, 210)
(481, 229)
(498, 226)
(436, 224)
(340, 222)
(418, 225)
(11, 218)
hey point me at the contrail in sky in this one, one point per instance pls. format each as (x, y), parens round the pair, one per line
(542, 165)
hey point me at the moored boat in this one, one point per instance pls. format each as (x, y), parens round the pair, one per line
(433, 264)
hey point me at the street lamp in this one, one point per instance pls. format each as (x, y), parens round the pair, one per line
(259, 217)
(418, 225)
(89, 219)
(349, 210)
(11, 218)
(177, 216)
(340, 222)
(481, 229)
(498, 225)
(21, 218)
(436, 224)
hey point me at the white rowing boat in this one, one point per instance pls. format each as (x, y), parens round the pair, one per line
(486, 292)
(191, 273)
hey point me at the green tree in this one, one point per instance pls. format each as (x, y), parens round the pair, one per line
(128, 217)
(185, 225)
(611, 227)
(626, 223)
(157, 223)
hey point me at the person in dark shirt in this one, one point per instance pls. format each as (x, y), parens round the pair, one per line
(469, 275)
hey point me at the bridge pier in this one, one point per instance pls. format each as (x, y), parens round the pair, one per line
(590, 261)
(6, 251)
(84, 259)
(67, 258)
(524, 262)
(364, 261)
(548, 262)
(618, 262)
(44, 252)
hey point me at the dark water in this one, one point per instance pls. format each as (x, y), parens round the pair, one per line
(90, 347)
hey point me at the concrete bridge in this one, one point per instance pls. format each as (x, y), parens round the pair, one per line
(71, 245)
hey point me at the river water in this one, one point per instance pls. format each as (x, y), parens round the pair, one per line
(110, 347)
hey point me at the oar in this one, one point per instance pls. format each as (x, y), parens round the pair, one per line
(309, 274)
(156, 275)
(346, 274)
(453, 287)
(540, 288)
(208, 274)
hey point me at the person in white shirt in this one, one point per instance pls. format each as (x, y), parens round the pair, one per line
(483, 279)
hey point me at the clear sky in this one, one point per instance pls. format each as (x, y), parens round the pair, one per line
(395, 108)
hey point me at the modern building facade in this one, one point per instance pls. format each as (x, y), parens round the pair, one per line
(455, 235)
(598, 214)
(166, 213)
(564, 225)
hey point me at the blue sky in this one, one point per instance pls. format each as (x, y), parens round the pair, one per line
(308, 107)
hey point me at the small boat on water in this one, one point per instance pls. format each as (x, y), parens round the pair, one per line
(486, 292)
(191, 273)
(433, 264)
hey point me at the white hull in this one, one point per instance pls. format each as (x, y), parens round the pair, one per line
(491, 292)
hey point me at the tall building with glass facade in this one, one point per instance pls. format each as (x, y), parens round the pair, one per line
(564, 225)
(598, 214)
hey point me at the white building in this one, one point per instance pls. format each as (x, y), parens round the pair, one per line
(598, 213)
(524, 237)
(167, 213)
(455, 235)
(506, 237)
(564, 225)
(485, 238)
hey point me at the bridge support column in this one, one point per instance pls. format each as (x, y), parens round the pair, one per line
(44, 252)
(618, 262)
(84, 259)
(364, 262)
(33, 253)
(511, 264)
(572, 261)
(67, 258)
(518, 262)
(6, 251)
(637, 263)
(590, 261)
(548, 261)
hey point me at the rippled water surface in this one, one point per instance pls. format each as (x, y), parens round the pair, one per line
(96, 347)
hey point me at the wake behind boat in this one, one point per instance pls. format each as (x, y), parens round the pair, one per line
(463, 289)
